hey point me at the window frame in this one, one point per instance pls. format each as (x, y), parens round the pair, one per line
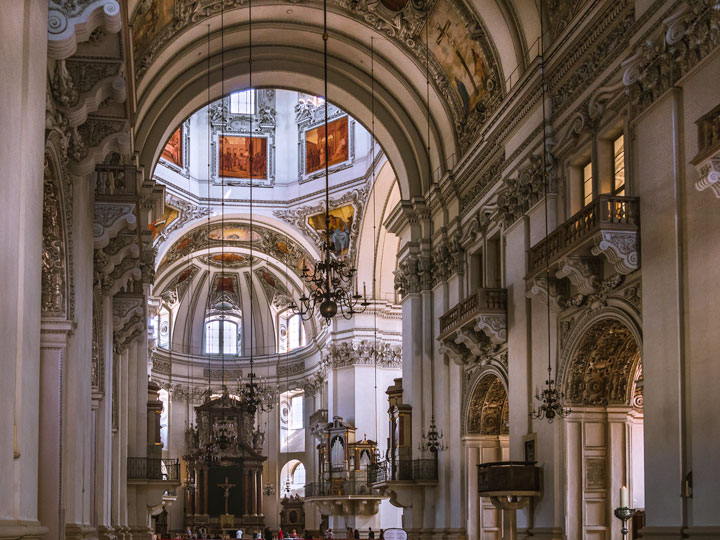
(223, 319)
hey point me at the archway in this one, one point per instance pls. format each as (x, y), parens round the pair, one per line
(486, 439)
(604, 432)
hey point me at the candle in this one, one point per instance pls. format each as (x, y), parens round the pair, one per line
(364, 290)
(623, 497)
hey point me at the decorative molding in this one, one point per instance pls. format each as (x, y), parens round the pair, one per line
(310, 116)
(672, 49)
(187, 213)
(519, 194)
(621, 249)
(288, 370)
(583, 272)
(299, 216)
(364, 353)
(414, 274)
(486, 407)
(709, 174)
(73, 21)
(82, 85)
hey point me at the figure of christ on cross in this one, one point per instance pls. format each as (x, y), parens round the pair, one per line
(227, 487)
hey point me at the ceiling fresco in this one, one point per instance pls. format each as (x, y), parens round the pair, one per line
(237, 234)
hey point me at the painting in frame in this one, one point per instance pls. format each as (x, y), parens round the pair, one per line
(338, 145)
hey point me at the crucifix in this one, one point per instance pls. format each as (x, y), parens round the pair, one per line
(227, 487)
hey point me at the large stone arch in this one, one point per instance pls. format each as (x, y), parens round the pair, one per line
(487, 407)
(57, 293)
(396, 130)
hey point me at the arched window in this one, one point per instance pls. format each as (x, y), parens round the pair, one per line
(222, 334)
(164, 328)
(291, 331)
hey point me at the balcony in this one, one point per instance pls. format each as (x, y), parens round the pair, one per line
(142, 470)
(609, 225)
(475, 327)
(343, 497)
(417, 471)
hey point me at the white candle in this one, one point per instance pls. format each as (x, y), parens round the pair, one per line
(623, 497)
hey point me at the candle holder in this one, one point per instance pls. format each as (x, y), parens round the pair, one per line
(623, 513)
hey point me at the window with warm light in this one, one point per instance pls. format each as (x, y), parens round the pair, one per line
(618, 187)
(242, 102)
(587, 183)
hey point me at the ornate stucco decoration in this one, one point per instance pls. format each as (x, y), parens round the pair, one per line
(275, 291)
(57, 293)
(671, 50)
(621, 249)
(288, 370)
(185, 169)
(559, 13)
(708, 170)
(187, 213)
(299, 216)
(83, 84)
(98, 346)
(73, 21)
(519, 194)
(224, 292)
(584, 272)
(414, 274)
(363, 353)
(265, 240)
(602, 371)
(179, 284)
(128, 320)
(591, 54)
(486, 408)
(554, 290)
(448, 259)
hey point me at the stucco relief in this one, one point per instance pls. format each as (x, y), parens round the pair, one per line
(57, 296)
(602, 369)
(487, 409)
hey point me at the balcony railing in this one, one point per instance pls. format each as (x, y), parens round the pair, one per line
(519, 477)
(319, 417)
(153, 469)
(418, 470)
(115, 180)
(482, 301)
(605, 213)
(339, 489)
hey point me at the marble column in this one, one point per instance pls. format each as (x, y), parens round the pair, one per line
(23, 47)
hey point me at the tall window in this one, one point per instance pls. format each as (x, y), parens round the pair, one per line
(242, 102)
(618, 187)
(291, 332)
(587, 183)
(164, 397)
(221, 336)
(164, 328)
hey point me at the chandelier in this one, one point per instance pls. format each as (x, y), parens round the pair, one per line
(255, 394)
(432, 441)
(551, 402)
(330, 281)
(269, 489)
(550, 399)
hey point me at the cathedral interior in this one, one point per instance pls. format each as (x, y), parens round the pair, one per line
(420, 269)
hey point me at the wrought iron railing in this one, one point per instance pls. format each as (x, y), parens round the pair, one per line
(419, 470)
(339, 489)
(114, 180)
(481, 301)
(153, 468)
(604, 213)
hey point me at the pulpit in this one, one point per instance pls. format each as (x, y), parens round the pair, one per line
(224, 467)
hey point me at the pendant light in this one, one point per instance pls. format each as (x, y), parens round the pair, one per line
(432, 440)
(330, 282)
(551, 399)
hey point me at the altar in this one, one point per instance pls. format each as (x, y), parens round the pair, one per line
(224, 465)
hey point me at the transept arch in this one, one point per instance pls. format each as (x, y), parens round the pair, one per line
(171, 58)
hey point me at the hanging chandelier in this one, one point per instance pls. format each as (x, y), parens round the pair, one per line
(551, 400)
(255, 394)
(432, 441)
(330, 281)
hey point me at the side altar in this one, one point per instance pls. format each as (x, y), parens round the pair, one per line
(224, 467)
